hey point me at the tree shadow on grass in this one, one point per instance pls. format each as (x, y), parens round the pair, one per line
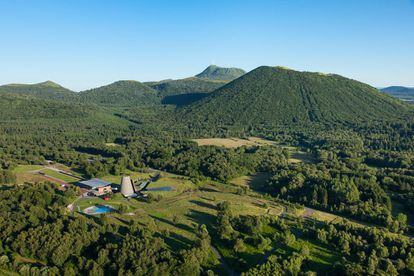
(176, 241)
(202, 218)
(178, 225)
(204, 204)
(257, 182)
(208, 189)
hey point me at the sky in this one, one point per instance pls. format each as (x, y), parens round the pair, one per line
(83, 44)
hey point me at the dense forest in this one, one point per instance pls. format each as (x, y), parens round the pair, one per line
(362, 164)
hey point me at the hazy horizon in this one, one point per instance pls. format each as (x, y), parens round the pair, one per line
(110, 82)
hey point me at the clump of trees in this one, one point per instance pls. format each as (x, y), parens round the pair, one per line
(367, 250)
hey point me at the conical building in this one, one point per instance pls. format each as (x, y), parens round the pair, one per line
(127, 188)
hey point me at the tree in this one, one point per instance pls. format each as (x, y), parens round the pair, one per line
(372, 263)
(122, 209)
(305, 251)
(239, 246)
(176, 219)
(402, 221)
(390, 268)
(289, 238)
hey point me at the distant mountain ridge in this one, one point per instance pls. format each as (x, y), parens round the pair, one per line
(121, 93)
(185, 86)
(188, 90)
(264, 96)
(214, 72)
(24, 107)
(400, 92)
(130, 92)
(43, 90)
(276, 95)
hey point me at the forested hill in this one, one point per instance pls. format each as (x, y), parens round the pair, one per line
(400, 92)
(121, 93)
(16, 107)
(214, 72)
(186, 86)
(275, 95)
(43, 90)
(188, 90)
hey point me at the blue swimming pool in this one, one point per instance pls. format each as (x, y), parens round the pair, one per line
(98, 209)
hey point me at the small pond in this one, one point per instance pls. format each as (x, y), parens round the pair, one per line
(160, 189)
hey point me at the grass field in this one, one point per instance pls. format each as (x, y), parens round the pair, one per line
(26, 168)
(67, 169)
(301, 156)
(63, 177)
(29, 178)
(297, 156)
(180, 211)
(225, 142)
(234, 142)
(254, 182)
(30, 174)
(26, 174)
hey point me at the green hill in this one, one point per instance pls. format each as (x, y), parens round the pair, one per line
(121, 93)
(185, 91)
(214, 72)
(185, 86)
(43, 90)
(400, 92)
(275, 95)
(188, 90)
(22, 108)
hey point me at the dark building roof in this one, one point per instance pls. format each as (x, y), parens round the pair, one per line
(95, 183)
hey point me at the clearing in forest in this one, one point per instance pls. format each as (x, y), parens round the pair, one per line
(40, 173)
(255, 182)
(297, 156)
(234, 142)
(301, 156)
